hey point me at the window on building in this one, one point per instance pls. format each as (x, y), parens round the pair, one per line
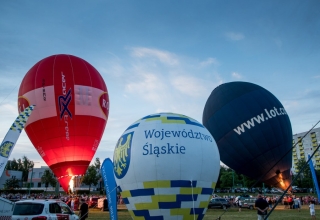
(39, 184)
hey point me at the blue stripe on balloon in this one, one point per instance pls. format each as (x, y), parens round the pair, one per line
(184, 198)
(207, 191)
(183, 183)
(169, 205)
(186, 120)
(125, 200)
(142, 192)
(196, 211)
(133, 126)
(151, 116)
(146, 214)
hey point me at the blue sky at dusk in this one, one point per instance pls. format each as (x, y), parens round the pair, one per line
(166, 56)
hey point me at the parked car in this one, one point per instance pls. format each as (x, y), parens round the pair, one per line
(219, 203)
(248, 203)
(276, 190)
(39, 209)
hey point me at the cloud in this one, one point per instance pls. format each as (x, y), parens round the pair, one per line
(148, 85)
(209, 61)
(188, 85)
(182, 87)
(234, 36)
(236, 75)
(303, 109)
(163, 56)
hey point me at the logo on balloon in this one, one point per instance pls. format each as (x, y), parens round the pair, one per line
(23, 103)
(64, 101)
(104, 103)
(122, 154)
(5, 149)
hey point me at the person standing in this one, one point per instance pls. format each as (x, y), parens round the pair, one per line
(297, 203)
(84, 209)
(72, 204)
(312, 210)
(262, 207)
(240, 204)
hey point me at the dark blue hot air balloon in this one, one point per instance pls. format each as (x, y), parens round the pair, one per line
(252, 130)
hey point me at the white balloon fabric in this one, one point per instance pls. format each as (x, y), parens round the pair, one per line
(12, 136)
(166, 166)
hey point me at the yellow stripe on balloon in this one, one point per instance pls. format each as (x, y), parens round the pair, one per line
(189, 191)
(149, 206)
(126, 194)
(204, 204)
(157, 184)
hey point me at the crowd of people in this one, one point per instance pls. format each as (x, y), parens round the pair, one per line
(262, 204)
(265, 203)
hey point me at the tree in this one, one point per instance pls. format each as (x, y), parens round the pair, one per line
(92, 176)
(23, 165)
(48, 179)
(229, 178)
(304, 179)
(12, 183)
(97, 163)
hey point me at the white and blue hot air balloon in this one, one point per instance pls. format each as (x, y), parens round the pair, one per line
(166, 166)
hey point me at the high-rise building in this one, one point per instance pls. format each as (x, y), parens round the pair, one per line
(306, 146)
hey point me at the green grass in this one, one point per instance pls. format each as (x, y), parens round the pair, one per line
(278, 214)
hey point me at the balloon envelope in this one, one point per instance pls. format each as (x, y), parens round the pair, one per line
(166, 166)
(252, 131)
(72, 110)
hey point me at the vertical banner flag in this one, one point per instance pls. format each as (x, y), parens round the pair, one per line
(314, 177)
(110, 186)
(12, 136)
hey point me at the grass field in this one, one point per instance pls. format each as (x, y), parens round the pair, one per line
(278, 214)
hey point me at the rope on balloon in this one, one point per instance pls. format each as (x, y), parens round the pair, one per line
(9, 94)
(284, 155)
(300, 171)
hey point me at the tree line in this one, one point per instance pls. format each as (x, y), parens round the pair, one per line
(228, 178)
(91, 177)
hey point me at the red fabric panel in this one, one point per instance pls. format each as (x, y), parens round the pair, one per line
(64, 182)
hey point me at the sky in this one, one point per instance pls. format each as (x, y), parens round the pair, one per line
(165, 56)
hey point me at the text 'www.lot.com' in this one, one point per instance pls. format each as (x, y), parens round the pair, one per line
(259, 119)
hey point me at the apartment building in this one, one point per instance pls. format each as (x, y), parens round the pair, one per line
(306, 146)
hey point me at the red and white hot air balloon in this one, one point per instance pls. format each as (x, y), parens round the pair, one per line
(72, 111)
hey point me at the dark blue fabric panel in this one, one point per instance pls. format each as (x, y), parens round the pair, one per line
(142, 192)
(183, 183)
(125, 200)
(146, 215)
(183, 198)
(169, 205)
(207, 191)
(197, 211)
